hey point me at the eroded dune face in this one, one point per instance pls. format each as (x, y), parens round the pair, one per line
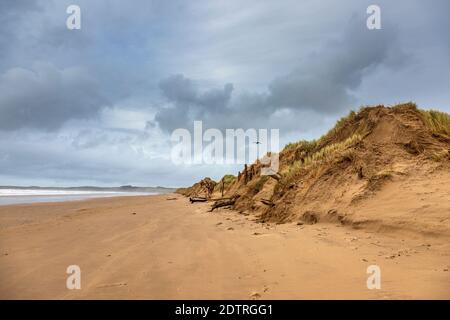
(385, 168)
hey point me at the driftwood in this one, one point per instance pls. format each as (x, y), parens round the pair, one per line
(223, 203)
(222, 187)
(267, 202)
(197, 199)
(245, 174)
(224, 198)
(226, 202)
(276, 176)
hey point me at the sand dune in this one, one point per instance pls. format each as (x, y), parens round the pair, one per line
(154, 248)
(380, 168)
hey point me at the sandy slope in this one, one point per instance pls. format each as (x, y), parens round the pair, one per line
(170, 249)
(413, 204)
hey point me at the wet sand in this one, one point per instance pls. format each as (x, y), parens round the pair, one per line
(154, 248)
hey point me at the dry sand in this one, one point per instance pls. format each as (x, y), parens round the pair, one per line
(155, 248)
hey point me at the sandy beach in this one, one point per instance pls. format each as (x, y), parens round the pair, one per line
(163, 247)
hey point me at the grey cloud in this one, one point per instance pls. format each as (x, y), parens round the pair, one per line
(92, 138)
(322, 83)
(80, 158)
(46, 97)
(188, 102)
(11, 13)
(183, 91)
(179, 89)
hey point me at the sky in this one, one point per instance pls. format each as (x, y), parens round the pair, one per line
(98, 105)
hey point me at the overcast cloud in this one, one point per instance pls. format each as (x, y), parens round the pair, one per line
(97, 105)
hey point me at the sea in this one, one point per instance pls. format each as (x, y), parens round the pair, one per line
(11, 195)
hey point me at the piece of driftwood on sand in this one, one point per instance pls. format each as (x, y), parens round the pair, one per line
(197, 199)
(225, 202)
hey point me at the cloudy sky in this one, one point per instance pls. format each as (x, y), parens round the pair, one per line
(97, 106)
